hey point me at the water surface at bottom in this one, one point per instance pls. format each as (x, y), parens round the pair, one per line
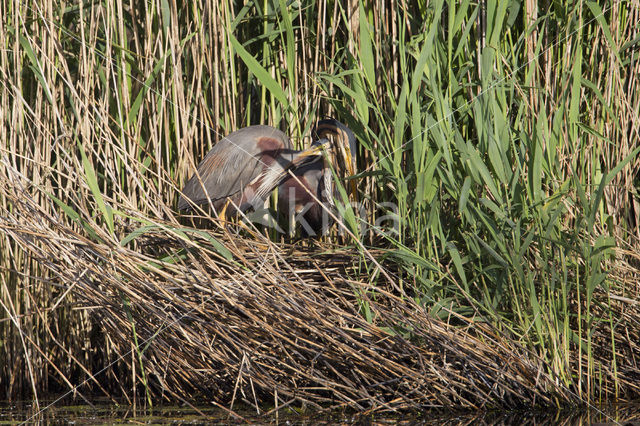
(103, 412)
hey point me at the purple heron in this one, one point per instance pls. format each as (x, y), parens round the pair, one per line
(244, 167)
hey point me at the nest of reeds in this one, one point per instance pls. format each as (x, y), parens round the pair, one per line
(213, 314)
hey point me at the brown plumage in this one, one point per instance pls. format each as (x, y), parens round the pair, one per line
(235, 168)
(245, 166)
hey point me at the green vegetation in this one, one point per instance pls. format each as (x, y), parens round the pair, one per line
(499, 137)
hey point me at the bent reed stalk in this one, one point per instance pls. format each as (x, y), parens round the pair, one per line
(498, 142)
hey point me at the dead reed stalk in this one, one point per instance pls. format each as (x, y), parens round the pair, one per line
(274, 324)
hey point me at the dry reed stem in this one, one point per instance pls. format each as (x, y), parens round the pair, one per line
(277, 320)
(312, 293)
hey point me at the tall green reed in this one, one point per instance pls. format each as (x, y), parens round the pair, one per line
(486, 129)
(491, 159)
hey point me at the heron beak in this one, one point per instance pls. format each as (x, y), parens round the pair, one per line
(309, 152)
(352, 171)
(344, 148)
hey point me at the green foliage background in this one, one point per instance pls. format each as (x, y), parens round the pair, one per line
(502, 135)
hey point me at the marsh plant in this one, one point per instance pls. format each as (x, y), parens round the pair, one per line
(497, 200)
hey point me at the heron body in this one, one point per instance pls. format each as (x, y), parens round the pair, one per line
(301, 198)
(235, 169)
(243, 168)
(307, 197)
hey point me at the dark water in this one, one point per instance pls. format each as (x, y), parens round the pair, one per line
(108, 413)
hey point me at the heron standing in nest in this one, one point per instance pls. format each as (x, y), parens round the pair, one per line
(244, 167)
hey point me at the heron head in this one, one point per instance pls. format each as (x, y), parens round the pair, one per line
(342, 150)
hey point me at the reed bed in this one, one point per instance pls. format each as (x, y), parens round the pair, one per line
(189, 314)
(272, 324)
(492, 261)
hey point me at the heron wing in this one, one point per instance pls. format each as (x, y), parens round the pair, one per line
(233, 164)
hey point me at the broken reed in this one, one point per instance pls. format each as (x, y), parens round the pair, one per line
(500, 135)
(232, 320)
